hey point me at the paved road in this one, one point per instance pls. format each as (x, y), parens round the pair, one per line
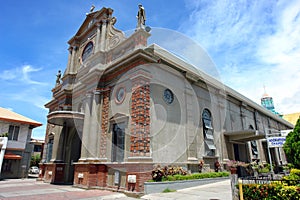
(23, 189)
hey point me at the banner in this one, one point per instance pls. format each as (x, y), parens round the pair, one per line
(276, 142)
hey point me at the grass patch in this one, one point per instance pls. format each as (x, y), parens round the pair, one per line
(168, 190)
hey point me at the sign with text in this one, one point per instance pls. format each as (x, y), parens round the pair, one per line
(276, 142)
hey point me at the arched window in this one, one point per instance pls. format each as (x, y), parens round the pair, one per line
(88, 49)
(208, 133)
(50, 147)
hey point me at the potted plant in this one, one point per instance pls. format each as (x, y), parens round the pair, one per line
(233, 164)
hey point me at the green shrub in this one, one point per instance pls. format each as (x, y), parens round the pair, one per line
(4, 135)
(264, 170)
(293, 178)
(296, 172)
(171, 178)
(276, 191)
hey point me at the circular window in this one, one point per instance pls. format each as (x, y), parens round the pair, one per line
(88, 49)
(168, 96)
(120, 95)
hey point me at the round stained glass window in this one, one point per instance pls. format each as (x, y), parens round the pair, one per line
(168, 96)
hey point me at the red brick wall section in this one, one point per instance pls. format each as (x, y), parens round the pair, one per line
(104, 123)
(42, 171)
(93, 175)
(102, 176)
(81, 169)
(143, 174)
(140, 119)
(48, 177)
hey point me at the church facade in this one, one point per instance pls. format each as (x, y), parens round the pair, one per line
(123, 106)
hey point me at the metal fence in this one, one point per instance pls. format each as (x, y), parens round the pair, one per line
(267, 179)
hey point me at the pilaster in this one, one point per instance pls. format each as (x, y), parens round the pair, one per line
(103, 35)
(190, 128)
(98, 35)
(104, 123)
(86, 128)
(140, 115)
(94, 135)
(72, 59)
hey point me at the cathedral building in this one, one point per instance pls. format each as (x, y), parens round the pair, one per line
(123, 106)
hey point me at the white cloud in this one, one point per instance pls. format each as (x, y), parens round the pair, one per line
(22, 74)
(20, 87)
(281, 50)
(8, 75)
(253, 43)
(31, 95)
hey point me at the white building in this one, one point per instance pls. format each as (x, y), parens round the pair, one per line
(15, 156)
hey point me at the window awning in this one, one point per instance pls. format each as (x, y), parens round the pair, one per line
(209, 135)
(12, 157)
(207, 124)
(254, 152)
(244, 135)
(210, 144)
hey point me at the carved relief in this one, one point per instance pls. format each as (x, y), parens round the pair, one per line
(114, 36)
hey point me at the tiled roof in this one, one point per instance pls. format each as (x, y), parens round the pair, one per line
(8, 115)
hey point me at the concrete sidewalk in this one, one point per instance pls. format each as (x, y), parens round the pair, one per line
(23, 189)
(219, 190)
(16, 189)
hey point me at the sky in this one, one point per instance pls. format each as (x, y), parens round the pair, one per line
(254, 44)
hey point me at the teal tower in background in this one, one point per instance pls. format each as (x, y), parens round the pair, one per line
(268, 103)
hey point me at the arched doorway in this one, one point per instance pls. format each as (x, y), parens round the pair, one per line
(72, 151)
(70, 148)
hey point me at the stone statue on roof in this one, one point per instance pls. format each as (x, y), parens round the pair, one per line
(92, 8)
(141, 17)
(58, 77)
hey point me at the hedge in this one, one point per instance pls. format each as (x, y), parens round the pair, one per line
(286, 189)
(178, 177)
(274, 191)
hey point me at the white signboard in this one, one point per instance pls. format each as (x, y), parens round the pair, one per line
(131, 178)
(276, 141)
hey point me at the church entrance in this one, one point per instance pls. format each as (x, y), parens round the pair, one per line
(72, 155)
(71, 147)
(118, 142)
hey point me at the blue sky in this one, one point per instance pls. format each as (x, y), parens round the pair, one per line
(251, 42)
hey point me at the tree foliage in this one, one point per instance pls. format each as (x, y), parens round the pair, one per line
(292, 146)
(35, 160)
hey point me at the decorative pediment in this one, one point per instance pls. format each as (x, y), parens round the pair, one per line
(114, 36)
(104, 21)
(119, 117)
(90, 22)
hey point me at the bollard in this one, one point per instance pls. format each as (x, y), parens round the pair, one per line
(241, 189)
